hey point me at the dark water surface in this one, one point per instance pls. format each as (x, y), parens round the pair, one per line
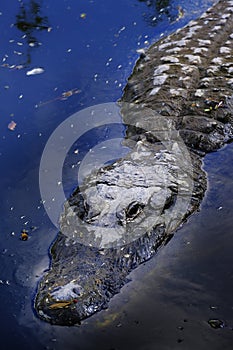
(171, 297)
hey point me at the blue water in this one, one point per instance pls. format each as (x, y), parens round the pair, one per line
(95, 55)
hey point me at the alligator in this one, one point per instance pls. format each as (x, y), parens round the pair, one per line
(177, 106)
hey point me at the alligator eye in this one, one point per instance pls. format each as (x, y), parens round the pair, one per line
(133, 210)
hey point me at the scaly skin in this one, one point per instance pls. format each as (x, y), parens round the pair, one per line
(176, 78)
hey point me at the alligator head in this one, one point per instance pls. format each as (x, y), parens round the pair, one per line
(117, 219)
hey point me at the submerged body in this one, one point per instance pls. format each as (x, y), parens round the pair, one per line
(184, 82)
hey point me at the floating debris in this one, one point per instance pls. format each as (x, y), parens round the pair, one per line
(212, 307)
(33, 228)
(69, 93)
(12, 125)
(35, 71)
(180, 13)
(216, 323)
(13, 66)
(62, 97)
(83, 15)
(24, 235)
(18, 53)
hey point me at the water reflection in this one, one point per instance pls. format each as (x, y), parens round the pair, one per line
(29, 20)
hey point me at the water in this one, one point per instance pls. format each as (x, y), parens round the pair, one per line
(190, 280)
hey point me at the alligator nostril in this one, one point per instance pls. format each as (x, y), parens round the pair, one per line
(76, 291)
(121, 217)
(86, 206)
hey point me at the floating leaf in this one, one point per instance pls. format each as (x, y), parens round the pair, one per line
(180, 12)
(24, 235)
